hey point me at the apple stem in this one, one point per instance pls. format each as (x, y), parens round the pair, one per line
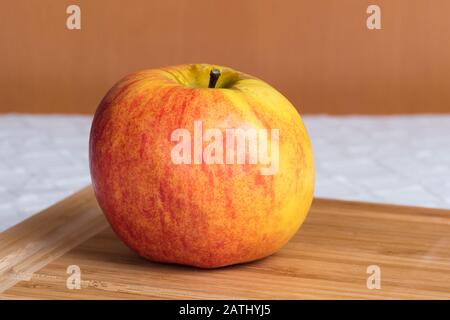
(213, 77)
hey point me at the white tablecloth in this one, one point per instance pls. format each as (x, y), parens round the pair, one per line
(390, 159)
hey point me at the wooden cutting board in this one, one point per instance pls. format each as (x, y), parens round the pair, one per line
(328, 258)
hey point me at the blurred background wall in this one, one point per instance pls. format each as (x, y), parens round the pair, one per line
(320, 54)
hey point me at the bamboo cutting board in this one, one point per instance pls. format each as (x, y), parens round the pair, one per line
(327, 259)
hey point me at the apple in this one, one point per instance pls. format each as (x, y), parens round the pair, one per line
(200, 165)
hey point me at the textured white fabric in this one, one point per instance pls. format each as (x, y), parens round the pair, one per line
(391, 159)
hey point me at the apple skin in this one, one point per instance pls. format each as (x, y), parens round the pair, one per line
(206, 216)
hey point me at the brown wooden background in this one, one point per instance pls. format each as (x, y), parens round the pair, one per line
(318, 53)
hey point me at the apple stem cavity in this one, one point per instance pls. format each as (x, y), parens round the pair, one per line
(213, 77)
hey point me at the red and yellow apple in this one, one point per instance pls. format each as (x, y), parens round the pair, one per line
(196, 212)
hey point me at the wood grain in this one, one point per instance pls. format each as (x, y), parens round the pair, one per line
(327, 258)
(320, 54)
(32, 244)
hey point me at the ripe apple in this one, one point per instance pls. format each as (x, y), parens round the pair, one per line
(200, 165)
